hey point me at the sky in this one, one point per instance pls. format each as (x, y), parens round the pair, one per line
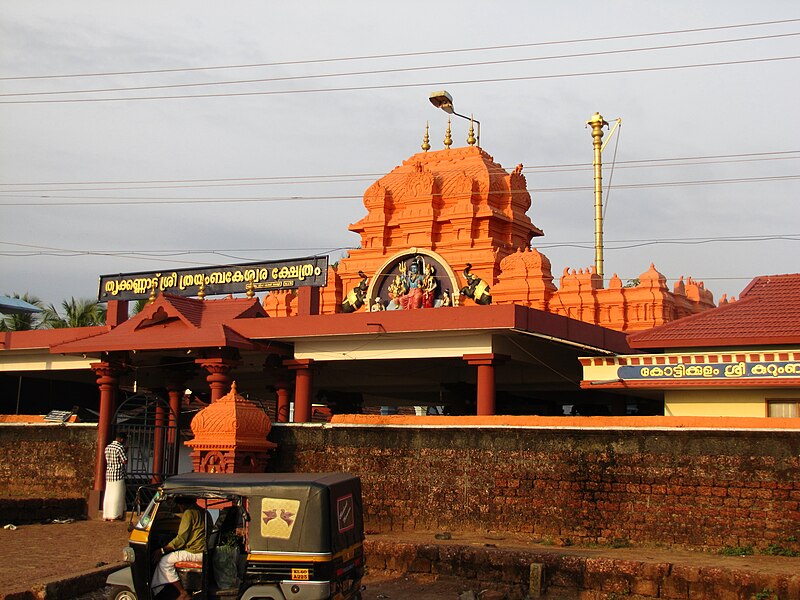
(246, 131)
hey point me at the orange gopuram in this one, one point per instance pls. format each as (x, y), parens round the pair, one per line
(451, 227)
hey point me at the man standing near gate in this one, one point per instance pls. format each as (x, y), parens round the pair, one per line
(114, 498)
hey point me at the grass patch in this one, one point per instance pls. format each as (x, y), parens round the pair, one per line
(778, 550)
(736, 551)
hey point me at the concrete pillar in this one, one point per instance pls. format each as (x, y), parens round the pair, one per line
(107, 380)
(486, 388)
(116, 312)
(302, 388)
(174, 435)
(219, 378)
(161, 421)
(282, 410)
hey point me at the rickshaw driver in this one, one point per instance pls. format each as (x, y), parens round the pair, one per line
(188, 545)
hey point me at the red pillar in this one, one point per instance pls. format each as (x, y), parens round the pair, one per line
(486, 392)
(116, 312)
(302, 388)
(307, 300)
(219, 379)
(282, 412)
(174, 436)
(158, 443)
(107, 380)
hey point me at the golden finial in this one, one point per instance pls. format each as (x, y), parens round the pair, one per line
(425, 141)
(251, 288)
(471, 137)
(152, 297)
(233, 388)
(448, 141)
(201, 293)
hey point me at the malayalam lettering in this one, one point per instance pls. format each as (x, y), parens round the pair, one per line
(737, 370)
(229, 279)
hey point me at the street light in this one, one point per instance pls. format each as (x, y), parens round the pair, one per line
(443, 100)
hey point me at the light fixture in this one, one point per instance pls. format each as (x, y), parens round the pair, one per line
(442, 99)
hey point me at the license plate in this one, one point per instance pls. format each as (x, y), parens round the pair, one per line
(300, 574)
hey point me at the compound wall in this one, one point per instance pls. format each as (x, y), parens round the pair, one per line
(47, 460)
(676, 488)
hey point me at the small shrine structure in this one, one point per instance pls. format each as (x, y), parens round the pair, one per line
(230, 436)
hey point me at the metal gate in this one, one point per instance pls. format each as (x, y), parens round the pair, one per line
(153, 441)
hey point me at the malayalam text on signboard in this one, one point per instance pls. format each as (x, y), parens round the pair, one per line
(737, 370)
(228, 279)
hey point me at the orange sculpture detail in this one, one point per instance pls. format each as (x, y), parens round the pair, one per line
(461, 205)
(230, 436)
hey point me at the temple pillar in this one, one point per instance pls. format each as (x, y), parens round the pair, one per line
(161, 421)
(308, 300)
(302, 388)
(116, 312)
(282, 410)
(486, 391)
(173, 431)
(107, 380)
(218, 378)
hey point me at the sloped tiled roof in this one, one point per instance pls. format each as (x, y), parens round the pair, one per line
(177, 322)
(766, 313)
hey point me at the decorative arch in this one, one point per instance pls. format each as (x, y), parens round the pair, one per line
(447, 281)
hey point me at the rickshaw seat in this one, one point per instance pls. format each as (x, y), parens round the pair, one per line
(189, 565)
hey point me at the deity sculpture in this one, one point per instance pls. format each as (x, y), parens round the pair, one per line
(429, 286)
(412, 278)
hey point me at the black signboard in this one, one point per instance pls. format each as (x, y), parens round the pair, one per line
(226, 279)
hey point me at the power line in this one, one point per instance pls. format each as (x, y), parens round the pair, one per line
(160, 255)
(147, 200)
(354, 177)
(409, 85)
(407, 54)
(398, 69)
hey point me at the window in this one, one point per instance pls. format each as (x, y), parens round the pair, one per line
(783, 408)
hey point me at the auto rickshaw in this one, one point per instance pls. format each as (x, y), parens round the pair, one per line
(270, 536)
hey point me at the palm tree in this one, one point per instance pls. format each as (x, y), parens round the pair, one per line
(77, 313)
(23, 321)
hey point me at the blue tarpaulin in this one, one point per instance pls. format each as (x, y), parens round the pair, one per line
(15, 305)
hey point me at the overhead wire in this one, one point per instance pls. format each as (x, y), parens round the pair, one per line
(350, 177)
(409, 54)
(624, 244)
(148, 200)
(389, 86)
(398, 69)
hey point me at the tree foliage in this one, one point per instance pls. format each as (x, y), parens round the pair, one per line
(80, 312)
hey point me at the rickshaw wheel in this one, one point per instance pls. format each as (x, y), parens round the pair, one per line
(121, 593)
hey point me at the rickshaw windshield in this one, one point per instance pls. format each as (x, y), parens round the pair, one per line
(147, 515)
(211, 500)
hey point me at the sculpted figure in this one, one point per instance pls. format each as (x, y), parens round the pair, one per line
(355, 297)
(429, 286)
(412, 278)
(476, 288)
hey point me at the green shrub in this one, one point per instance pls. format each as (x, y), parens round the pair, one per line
(736, 550)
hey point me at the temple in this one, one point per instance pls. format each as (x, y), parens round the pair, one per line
(444, 308)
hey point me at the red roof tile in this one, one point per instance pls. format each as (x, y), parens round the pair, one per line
(176, 322)
(766, 313)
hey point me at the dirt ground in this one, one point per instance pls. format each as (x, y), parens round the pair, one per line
(36, 553)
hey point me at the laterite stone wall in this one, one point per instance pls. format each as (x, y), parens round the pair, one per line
(47, 461)
(694, 489)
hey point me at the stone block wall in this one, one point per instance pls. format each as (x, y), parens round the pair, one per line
(694, 489)
(47, 461)
(524, 574)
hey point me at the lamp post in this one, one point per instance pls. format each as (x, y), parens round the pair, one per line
(443, 100)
